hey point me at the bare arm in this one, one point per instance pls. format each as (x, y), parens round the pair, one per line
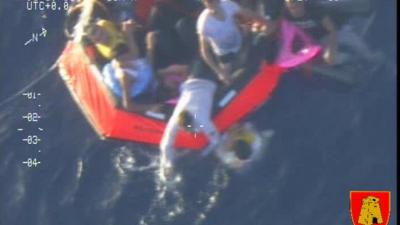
(126, 82)
(167, 142)
(128, 29)
(207, 57)
(332, 39)
(213, 138)
(167, 149)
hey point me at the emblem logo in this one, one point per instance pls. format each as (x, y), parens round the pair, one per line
(370, 207)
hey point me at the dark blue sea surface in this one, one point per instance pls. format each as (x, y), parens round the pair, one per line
(329, 140)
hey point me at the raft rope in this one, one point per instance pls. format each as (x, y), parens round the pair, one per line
(84, 21)
(30, 85)
(368, 24)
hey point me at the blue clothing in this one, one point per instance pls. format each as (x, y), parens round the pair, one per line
(139, 69)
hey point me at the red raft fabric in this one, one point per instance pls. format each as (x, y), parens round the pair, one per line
(256, 93)
(110, 122)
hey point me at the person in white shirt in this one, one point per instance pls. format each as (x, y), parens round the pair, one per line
(192, 113)
(218, 30)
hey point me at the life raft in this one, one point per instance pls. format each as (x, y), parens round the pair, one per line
(84, 81)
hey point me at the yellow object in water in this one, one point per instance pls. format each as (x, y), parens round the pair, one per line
(116, 38)
(244, 135)
(247, 137)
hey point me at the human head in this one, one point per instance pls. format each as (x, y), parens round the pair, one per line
(242, 149)
(296, 7)
(109, 41)
(211, 4)
(185, 120)
(98, 34)
(100, 11)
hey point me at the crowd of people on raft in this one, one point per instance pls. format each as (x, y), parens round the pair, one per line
(189, 48)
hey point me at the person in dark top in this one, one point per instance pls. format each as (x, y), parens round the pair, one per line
(273, 9)
(320, 26)
(172, 37)
(264, 36)
(252, 5)
(310, 20)
(316, 24)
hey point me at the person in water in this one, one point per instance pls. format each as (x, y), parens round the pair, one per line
(241, 145)
(220, 39)
(322, 28)
(129, 74)
(192, 113)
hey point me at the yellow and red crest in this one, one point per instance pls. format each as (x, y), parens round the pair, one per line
(370, 207)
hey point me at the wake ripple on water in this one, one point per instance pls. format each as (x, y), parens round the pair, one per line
(73, 185)
(169, 204)
(13, 195)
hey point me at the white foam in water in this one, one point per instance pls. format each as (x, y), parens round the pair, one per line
(14, 193)
(127, 162)
(168, 203)
(73, 185)
(217, 184)
(111, 190)
(124, 165)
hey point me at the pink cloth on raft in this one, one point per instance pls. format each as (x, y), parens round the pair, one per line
(289, 59)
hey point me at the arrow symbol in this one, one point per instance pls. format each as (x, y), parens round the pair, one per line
(44, 32)
(26, 43)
